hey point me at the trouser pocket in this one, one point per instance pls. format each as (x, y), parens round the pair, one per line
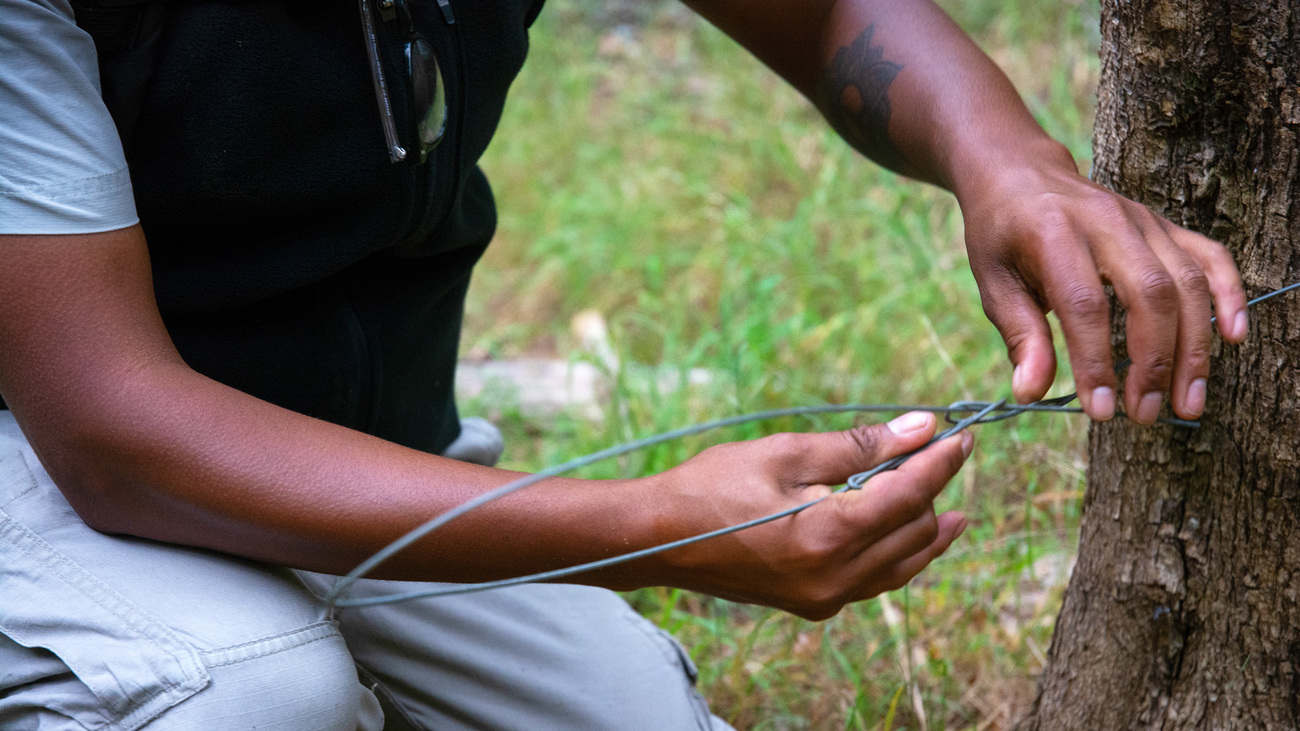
(135, 667)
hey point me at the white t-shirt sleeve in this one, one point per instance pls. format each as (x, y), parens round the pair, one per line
(61, 164)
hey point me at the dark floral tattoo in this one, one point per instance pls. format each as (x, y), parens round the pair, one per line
(857, 101)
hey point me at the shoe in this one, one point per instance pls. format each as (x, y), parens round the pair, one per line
(479, 442)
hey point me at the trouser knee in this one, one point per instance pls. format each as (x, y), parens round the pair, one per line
(287, 682)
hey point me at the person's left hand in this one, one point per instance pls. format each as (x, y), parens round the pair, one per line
(1044, 238)
(850, 546)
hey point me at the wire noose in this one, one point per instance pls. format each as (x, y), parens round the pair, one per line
(980, 412)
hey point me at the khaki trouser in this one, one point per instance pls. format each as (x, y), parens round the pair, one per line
(107, 632)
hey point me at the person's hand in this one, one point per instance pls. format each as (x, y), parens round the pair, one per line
(851, 546)
(1044, 238)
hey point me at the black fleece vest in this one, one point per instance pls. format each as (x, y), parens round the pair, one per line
(291, 259)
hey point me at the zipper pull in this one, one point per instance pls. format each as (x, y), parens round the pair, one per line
(445, 6)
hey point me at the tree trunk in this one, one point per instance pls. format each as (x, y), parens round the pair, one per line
(1184, 608)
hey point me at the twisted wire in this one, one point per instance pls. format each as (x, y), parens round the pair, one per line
(980, 412)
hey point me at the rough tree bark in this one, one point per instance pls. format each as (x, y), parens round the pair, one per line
(1184, 609)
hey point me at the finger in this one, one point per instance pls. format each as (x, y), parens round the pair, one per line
(1192, 351)
(1224, 280)
(893, 499)
(1151, 297)
(1023, 325)
(831, 458)
(1163, 311)
(898, 544)
(1074, 290)
(905, 567)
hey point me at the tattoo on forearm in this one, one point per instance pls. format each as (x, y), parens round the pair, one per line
(857, 101)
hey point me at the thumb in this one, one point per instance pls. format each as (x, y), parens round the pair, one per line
(831, 458)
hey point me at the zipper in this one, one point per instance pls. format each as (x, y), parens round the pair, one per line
(462, 105)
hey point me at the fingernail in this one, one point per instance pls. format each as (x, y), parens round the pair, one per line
(908, 423)
(1196, 397)
(1149, 408)
(1102, 404)
(1015, 382)
(1240, 326)
(964, 523)
(967, 443)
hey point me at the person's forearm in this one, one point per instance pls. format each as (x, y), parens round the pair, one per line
(899, 80)
(142, 445)
(904, 84)
(196, 463)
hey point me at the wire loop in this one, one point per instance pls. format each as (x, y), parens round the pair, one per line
(980, 412)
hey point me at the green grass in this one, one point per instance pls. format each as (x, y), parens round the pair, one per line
(649, 170)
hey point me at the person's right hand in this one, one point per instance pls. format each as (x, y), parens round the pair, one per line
(851, 546)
